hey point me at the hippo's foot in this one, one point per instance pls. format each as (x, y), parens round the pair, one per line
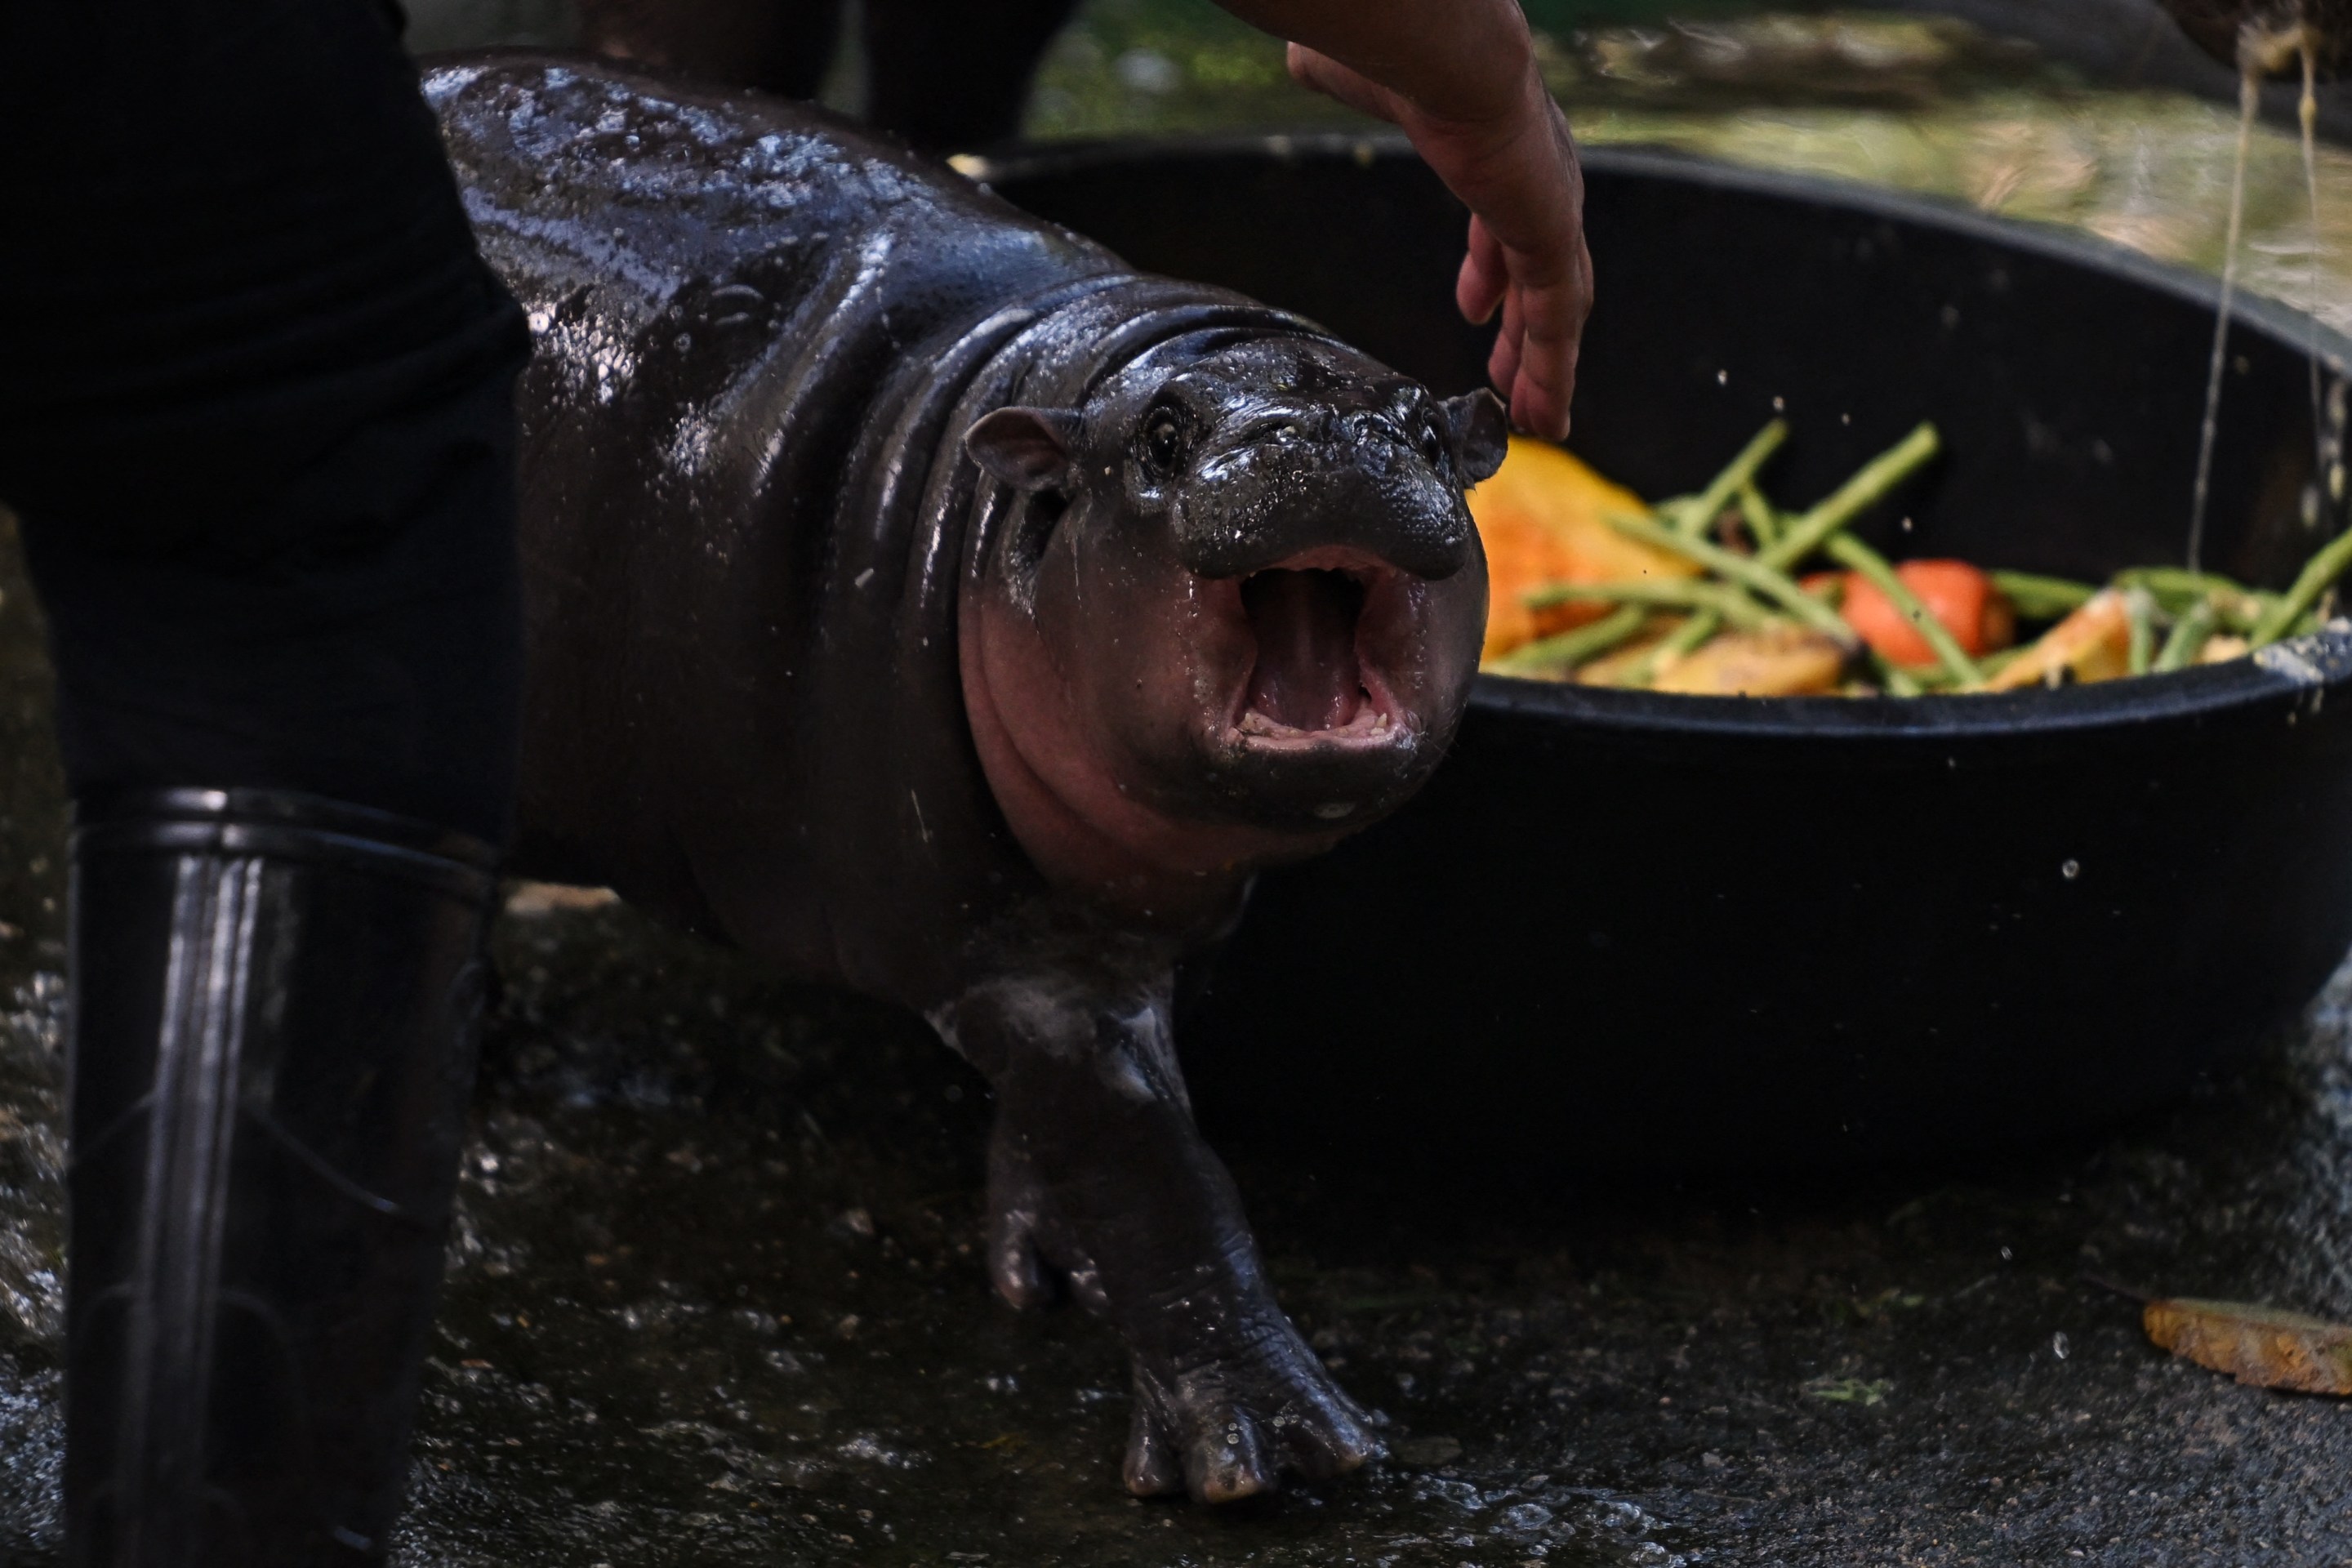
(1226, 1424)
(1227, 1395)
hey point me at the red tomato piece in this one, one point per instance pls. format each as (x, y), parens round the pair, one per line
(1954, 592)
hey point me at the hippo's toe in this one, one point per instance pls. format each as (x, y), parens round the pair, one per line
(1229, 1429)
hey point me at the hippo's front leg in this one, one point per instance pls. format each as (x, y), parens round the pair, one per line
(1096, 1172)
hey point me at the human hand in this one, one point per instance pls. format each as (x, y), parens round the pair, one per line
(1516, 169)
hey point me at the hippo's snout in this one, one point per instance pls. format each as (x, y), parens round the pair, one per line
(1276, 496)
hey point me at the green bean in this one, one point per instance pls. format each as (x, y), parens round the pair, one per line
(1748, 572)
(1898, 681)
(1993, 663)
(2188, 637)
(2139, 617)
(1763, 522)
(2040, 598)
(2163, 581)
(2176, 589)
(1566, 650)
(1678, 643)
(1671, 593)
(1848, 551)
(2318, 573)
(1857, 495)
(1671, 511)
(1702, 510)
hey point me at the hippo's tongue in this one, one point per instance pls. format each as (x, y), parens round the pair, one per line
(1307, 677)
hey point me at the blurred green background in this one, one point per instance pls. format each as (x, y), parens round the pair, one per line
(1923, 102)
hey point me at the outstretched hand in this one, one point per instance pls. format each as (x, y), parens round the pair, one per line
(1516, 169)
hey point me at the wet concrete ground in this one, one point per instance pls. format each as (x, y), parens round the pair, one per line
(713, 1295)
(714, 1300)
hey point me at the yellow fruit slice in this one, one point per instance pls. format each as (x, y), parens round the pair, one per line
(1540, 518)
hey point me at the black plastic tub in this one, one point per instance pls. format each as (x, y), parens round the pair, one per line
(1640, 931)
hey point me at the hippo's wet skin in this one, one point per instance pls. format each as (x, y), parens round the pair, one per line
(925, 601)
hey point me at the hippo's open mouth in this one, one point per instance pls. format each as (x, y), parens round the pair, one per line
(1319, 676)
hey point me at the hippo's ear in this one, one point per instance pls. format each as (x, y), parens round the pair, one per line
(1028, 449)
(1481, 434)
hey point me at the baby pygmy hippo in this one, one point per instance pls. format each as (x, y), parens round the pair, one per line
(924, 600)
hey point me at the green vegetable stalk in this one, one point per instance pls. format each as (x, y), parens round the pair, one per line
(2318, 573)
(1691, 518)
(1898, 681)
(1866, 488)
(1748, 572)
(1679, 642)
(1566, 650)
(2178, 590)
(1763, 522)
(2188, 637)
(2040, 598)
(1729, 603)
(2139, 617)
(1848, 551)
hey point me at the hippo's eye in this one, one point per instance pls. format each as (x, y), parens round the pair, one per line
(1163, 442)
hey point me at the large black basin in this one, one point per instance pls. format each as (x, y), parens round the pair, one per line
(1641, 930)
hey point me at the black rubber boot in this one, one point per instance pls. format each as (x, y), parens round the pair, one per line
(274, 1001)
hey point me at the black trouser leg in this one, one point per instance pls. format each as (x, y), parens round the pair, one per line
(949, 74)
(256, 419)
(274, 1005)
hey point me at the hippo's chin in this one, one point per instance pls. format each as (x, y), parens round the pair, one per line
(1316, 784)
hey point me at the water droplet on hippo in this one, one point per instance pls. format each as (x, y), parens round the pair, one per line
(2060, 1346)
(1333, 810)
(2071, 869)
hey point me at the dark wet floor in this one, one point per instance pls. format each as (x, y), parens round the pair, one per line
(714, 1300)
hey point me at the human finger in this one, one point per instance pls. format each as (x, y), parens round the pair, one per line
(1484, 277)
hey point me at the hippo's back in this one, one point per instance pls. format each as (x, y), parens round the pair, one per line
(599, 194)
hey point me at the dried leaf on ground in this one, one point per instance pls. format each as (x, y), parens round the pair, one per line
(2260, 1345)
